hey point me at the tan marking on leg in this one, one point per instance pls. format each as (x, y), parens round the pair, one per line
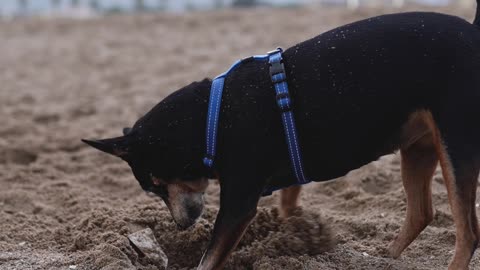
(289, 200)
(419, 161)
(463, 212)
(417, 170)
(475, 225)
(419, 125)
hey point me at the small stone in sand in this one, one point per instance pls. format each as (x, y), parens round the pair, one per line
(145, 244)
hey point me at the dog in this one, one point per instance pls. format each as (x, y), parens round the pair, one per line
(407, 82)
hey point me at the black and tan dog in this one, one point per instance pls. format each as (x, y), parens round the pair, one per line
(406, 81)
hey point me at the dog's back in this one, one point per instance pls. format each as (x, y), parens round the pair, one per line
(360, 83)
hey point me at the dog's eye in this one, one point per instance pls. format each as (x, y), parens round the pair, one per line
(150, 194)
(156, 181)
(154, 191)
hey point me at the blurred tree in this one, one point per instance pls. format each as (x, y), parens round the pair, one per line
(162, 4)
(244, 3)
(23, 5)
(55, 3)
(74, 3)
(94, 4)
(139, 5)
(219, 3)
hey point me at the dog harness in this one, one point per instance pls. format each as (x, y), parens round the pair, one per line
(279, 80)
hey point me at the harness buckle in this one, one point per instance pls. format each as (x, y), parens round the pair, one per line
(278, 49)
(276, 68)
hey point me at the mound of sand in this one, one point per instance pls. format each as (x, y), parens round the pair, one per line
(63, 205)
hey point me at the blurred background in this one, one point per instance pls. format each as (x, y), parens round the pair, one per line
(87, 8)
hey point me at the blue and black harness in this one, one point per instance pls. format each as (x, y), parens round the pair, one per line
(284, 102)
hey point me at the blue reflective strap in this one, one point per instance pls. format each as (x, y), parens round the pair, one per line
(279, 79)
(284, 102)
(212, 119)
(214, 105)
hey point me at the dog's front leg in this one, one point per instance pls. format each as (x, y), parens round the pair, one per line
(238, 206)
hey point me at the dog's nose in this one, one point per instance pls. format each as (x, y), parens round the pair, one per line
(185, 224)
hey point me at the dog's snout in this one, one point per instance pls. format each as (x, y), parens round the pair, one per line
(194, 210)
(185, 224)
(185, 208)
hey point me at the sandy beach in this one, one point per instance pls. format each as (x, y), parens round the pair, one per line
(64, 205)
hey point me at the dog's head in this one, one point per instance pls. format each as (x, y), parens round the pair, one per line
(164, 150)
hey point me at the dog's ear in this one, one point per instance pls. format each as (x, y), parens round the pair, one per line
(115, 146)
(126, 130)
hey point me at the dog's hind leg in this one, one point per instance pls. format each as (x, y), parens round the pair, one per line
(419, 161)
(460, 168)
(289, 200)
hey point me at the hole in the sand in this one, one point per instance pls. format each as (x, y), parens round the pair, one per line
(17, 156)
(269, 236)
(82, 111)
(46, 118)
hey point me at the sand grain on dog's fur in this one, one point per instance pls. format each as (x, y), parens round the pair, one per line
(63, 204)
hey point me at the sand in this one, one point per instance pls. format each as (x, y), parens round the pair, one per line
(66, 206)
